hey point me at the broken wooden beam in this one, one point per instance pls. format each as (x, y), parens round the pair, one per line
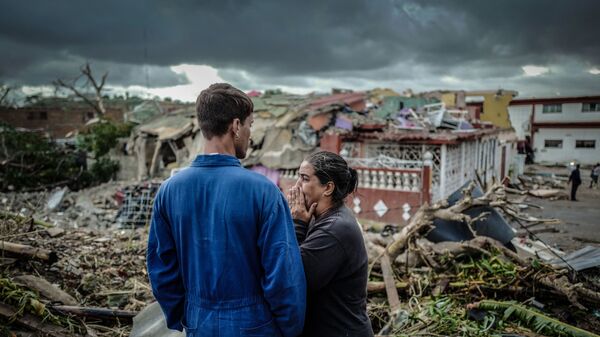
(45, 289)
(28, 251)
(34, 323)
(98, 313)
(377, 287)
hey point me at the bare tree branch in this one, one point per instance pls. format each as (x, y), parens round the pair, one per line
(97, 103)
(4, 90)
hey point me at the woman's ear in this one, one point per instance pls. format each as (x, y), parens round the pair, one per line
(329, 188)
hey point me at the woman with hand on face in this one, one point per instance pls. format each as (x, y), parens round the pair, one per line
(332, 248)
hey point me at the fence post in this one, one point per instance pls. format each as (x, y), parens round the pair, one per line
(426, 181)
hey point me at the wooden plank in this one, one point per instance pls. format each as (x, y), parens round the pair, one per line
(390, 283)
(28, 251)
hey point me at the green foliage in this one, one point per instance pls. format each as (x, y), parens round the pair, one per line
(28, 160)
(448, 316)
(469, 278)
(444, 316)
(492, 271)
(103, 136)
(104, 169)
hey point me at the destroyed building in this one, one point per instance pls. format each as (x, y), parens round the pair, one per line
(408, 151)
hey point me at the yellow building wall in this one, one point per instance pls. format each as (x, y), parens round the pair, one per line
(376, 95)
(449, 99)
(495, 109)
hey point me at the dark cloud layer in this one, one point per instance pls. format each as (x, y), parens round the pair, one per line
(270, 39)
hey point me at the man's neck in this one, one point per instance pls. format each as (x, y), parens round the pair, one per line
(220, 145)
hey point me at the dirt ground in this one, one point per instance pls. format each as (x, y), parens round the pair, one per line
(580, 220)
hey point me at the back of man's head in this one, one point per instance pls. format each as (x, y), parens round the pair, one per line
(217, 107)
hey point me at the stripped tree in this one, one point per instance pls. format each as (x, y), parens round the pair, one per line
(81, 89)
(4, 90)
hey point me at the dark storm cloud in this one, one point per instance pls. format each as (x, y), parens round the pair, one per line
(272, 39)
(38, 66)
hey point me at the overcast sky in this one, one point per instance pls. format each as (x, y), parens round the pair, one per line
(177, 48)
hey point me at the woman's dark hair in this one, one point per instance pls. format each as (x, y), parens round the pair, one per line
(328, 167)
(218, 105)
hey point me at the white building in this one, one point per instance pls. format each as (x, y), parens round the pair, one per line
(561, 129)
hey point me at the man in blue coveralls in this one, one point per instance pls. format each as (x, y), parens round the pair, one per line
(223, 259)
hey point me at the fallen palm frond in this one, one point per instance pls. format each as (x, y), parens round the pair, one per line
(536, 320)
(444, 316)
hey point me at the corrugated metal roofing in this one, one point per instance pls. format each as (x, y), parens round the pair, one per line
(393, 104)
(439, 137)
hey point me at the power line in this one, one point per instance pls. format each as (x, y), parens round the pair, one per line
(146, 70)
(547, 246)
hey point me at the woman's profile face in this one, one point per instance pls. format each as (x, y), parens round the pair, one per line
(309, 184)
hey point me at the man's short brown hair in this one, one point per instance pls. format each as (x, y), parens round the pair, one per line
(217, 107)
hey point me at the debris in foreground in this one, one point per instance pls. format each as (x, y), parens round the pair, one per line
(417, 287)
(94, 287)
(436, 282)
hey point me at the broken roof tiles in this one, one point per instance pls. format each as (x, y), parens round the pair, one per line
(438, 137)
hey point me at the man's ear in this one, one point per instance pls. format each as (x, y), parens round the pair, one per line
(236, 125)
(329, 188)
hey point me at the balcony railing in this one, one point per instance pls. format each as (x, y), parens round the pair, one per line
(408, 180)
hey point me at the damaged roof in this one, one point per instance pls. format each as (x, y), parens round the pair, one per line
(276, 105)
(172, 125)
(275, 131)
(337, 99)
(144, 112)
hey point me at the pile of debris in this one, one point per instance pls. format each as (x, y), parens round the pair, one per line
(83, 282)
(70, 282)
(476, 287)
(94, 207)
(115, 203)
(543, 186)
